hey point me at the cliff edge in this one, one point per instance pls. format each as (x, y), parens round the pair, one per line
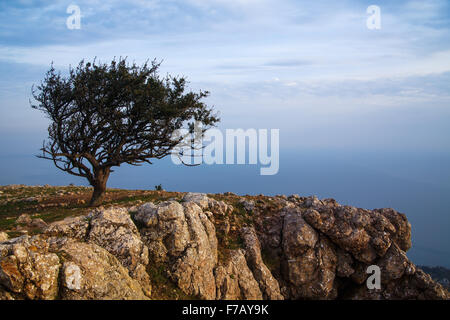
(216, 247)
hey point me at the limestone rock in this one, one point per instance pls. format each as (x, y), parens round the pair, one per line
(29, 269)
(38, 223)
(365, 234)
(3, 236)
(309, 262)
(5, 295)
(312, 201)
(201, 199)
(316, 249)
(24, 219)
(345, 262)
(113, 230)
(414, 286)
(248, 205)
(267, 283)
(234, 279)
(165, 223)
(72, 227)
(402, 234)
(206, 203)
(184, 237)
(91, 272)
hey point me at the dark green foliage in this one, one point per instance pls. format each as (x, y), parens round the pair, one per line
(103, 115)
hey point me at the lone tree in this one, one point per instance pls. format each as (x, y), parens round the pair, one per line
(103, 115)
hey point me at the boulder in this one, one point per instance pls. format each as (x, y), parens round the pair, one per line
(248, 205)
(38, 223)
(203, 201)
(113, 230)
(267, 283)
(235, 281)
(71, 227)
(316, 249)
(91, 272)
(24, 219)
(3, 236)
(309, 259)
(29, 269)
(365, 234)
(183, 237)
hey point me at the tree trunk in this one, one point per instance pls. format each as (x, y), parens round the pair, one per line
(99, 188)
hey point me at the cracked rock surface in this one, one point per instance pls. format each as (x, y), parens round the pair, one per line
(259, 248)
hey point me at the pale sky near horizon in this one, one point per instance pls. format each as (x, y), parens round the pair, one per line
(378, 98)
(311, 68)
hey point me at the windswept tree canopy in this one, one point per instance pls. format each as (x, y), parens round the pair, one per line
(103, 115)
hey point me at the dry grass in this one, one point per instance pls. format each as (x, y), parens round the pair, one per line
(56, 203)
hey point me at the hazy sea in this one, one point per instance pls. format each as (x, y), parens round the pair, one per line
(414, 183)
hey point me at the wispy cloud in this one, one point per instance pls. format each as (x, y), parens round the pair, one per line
(300, 56)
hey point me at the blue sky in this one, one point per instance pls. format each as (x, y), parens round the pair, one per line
(366, 112)
(315, 63)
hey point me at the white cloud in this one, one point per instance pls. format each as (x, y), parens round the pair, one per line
(313, 59)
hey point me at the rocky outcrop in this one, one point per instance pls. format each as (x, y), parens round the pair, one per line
(90, 272)
(26, 220)
(234, 279)
(327, 249)
(268, 285)
(114, 230)
(72, 227)
(3, 236)
(258, 248)
(47, 268)
(401, 279)
(28, 268)
(182, 236)
(203, 201)
(309, 259)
